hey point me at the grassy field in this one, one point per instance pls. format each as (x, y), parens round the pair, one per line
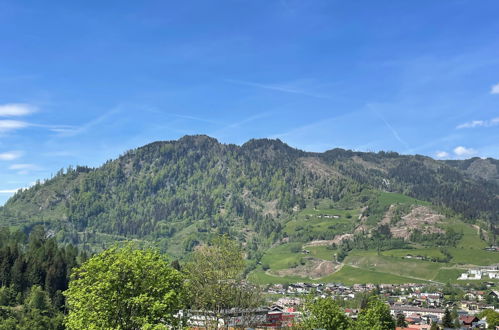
(385, 199)
(282, 256)
(474, 256)
(449, 275)
(426, 252)
(350, 275)
(321, 252)
(369, 260)
(470, 235)
(258, 276)
(318, 221)
(347, 275)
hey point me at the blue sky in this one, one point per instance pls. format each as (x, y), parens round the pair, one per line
(83, 81)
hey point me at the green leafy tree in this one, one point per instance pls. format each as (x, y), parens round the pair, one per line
(375, 317)
(434, 326)
(216, 279)
(492, 318)
(325, 313)
(38, 300)
(401, 321)
(124, 288)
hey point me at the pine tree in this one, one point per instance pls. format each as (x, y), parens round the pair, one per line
(447, 319)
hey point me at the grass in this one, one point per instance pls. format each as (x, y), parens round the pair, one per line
(474, 256)
(321, 252)
(350, 275)
(386, 199)
(320, 223)
(369, 260)
(347, 275)
(314, 221)
(281, 257)
(470, 235)
(425, 252)
(449, 275)
(259, 276)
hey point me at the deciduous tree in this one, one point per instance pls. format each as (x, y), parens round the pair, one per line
(215, 274)
(325, 313)
(124, 288)
(375, 317)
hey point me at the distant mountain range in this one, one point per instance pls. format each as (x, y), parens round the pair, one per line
(178, 194)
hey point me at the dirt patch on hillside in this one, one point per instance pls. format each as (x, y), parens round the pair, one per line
(314, 269)
(316, 166)
(270, 208)
(336, 240)
(387, 218)
(484, 233)
(367, 165)
(420, 217)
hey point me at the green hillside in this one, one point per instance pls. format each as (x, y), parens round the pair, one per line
(413, 263)
(297, 214)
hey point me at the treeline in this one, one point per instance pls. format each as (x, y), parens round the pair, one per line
(449, 187)
(34, 271)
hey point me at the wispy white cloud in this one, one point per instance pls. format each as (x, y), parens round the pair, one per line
(392, 129)
(464, 152)
(239, 124)
(494, 89)
(284, 88)
(24, 167)
(16, 109)
(11, 125)
(442, 154)
(66, 131)
(249, 119)
(9, 191)
(11, 155)
(62, 153)
(203, 120)
(479, 123)
(13, 191)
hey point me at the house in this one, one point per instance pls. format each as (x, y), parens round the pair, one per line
(235, 317)
(422, 312)
(468, 320)
(415, 327)
(494, 294)
(277, 317)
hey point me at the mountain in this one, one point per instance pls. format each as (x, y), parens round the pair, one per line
(178, 194)
(487, 169)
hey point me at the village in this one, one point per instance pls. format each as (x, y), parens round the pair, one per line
(420, 304)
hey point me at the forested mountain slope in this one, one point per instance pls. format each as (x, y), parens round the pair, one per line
(487, 169)
(178, 193)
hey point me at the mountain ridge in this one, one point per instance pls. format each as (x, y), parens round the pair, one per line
(182, 191)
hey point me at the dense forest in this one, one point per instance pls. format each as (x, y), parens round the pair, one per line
(183, 192)
(34, 271)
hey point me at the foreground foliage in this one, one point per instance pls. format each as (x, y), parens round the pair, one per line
(216, 282)
(33, 274)
(325, 313)
(492, 318)
(124, 288)
(376, 316)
